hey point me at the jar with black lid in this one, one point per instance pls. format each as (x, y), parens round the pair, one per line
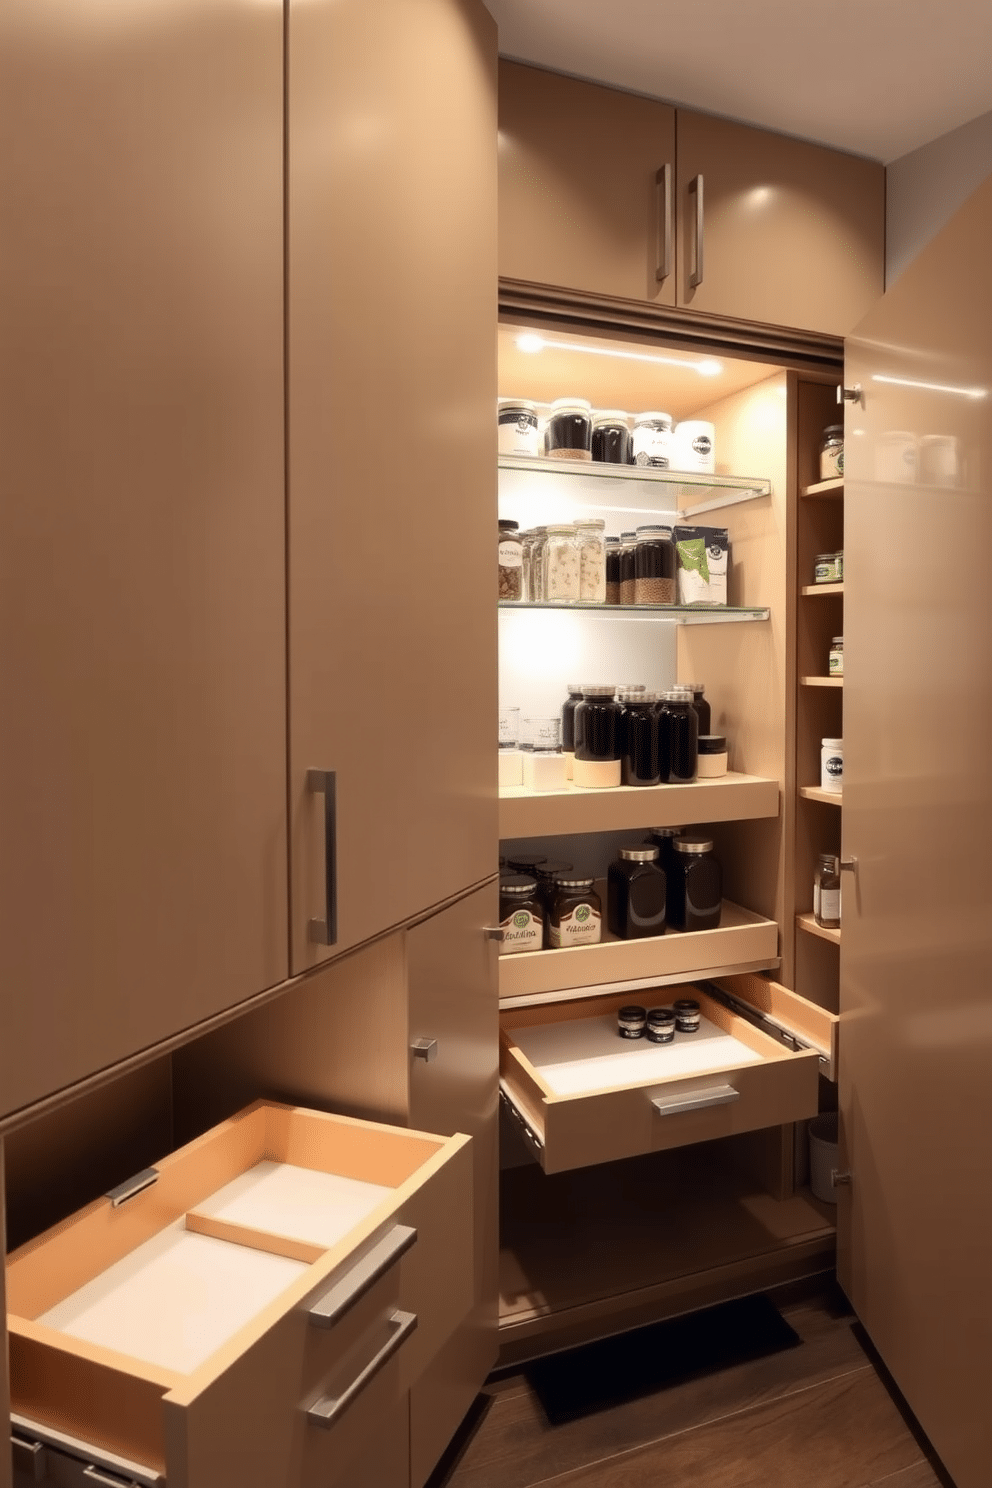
(635, 893)
(700, 704)
(628, 567)
(661, 1025)
(639, 735)
(611, 437)
(832, 453)
(575, 912)
(678, 737)
(597, 738)
(695, 887)
(521, 914)
(570, 429)
(654, 566)
(526, 863)
(568, 708)
(511, 561)
(612, 570)
(663, 838)
(545, 873)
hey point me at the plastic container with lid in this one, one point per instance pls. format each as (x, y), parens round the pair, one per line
(700, 704)
(832, 453)
(518, 428)
(561, 564)
(521, 914)
(597, 738)
(639, 737)
(591, 543)
(570, 429)
(628, 567)
(568, 708)
(612, 570)
(693, 446)
(711, 759)
(835, 663)
(678, 737)
(575, 914)
(695, 885)
(635, 893)
(655, 564)
(832, 765)
(511, 561)
(651, 442)
(611, 437)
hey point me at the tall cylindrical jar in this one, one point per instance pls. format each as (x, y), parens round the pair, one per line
(612, 570)
(591, 541)
(597, 738)
(511, 561)
(832, 765)
(639, 737)
(695, 885)
(678, 737)
(651, 441)
(568, 708)
(611, 437)
(561, 564)
(654, 566)
(628, 567)
(570, 429)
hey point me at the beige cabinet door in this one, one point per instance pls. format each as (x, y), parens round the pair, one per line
(392, 459)
(586, 186)
(774, 229)
(142, 516)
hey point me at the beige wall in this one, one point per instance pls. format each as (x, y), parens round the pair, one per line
(926, 187)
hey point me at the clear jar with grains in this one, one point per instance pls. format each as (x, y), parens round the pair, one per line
(591, 541)
(654, 566)
(511, 561)
(628, 567)
(561, 564)
(612, 570)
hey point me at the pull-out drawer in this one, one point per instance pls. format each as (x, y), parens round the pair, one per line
(252, 1315)
(584, 1095)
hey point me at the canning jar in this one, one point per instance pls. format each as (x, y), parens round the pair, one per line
(521, 914)
(612, 570)
(611, 437)
(518, 431)
(570, 429)
(575, 916)
(639, 737)
(628, 567)
(511, 561)
(826, 892)
(589, 536)
(700, 704)
(652, 440)
(654, 566)
(597, 738)
(678, 737)
(695, 885)
(835, 664)
(543, 762)
(561, 564)
(832, 452)
(531, 540)
(635, 893)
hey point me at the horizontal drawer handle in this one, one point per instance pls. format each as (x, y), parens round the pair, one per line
(362, 1277)
(695, 1100)
(328, 1410)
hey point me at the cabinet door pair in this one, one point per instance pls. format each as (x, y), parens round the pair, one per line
(619, 195)
(208, 509)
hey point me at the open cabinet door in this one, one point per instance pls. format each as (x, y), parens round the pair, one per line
(916, 956)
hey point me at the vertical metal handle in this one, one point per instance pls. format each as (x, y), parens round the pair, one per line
(696, 276)
(663, 209)
(323, 782)
(331, 1408)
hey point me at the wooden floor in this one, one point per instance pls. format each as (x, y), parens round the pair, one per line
(816, 1416)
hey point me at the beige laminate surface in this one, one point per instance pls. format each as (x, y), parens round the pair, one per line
(392, 452)
(142, 564)
(5, 1464)
(916, 958)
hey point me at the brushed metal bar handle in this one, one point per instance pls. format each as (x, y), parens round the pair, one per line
(362, 1277)
(695, 1100)
(324, 782)
(328, 1410)
(105, 1479)
(663, 209)
(696, 276)
(425, 1049)
(131, 1187)
(29, 1458)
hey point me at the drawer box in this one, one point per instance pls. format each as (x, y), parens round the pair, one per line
(583, 1095)
(251, 1316)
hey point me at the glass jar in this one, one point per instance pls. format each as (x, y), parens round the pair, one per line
(518, 431)
(826, 892)
(651, 443)
(533, 584)
(826, 569)
(576, 912)
(511, 561)
(835, 663)
(663, 838)
(832, 765)
(635, 894)
(545, 874)
(654, 566)
(509, 728)
(700, 704)
(561, 564)
(568, 708)
(612, 570)
(695, 887)
(678, 737)
(597, 738)
(591, 542)
(570, 429)
(639, 737)
(611, 437)
(521, 914)
(839, 562)
(628, 567)
(832, 453)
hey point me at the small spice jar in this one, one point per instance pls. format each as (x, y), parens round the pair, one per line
(687, 1014)
(661, 1025)
(518, 431)
(570, 429)
(654, 566)
(678, 737)
(568, 708)
(561, 564)
(826, 892)
(639, 737)
(700, 704)
(695, 888)
(611, 437)
(651, 443)
(612, 570)
(635, 893)
(832, 765)
(832, 453)
(511, 561)
(591, 542)
(835, 664)
(826, 569)
(521, 914)
(628, 567)
(597, 738)
(632, 1021)
(711, 760)
(575, 912)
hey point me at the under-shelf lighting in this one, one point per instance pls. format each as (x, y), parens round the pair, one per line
(708, 367)
(932, 387)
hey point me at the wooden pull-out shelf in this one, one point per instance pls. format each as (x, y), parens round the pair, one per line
(582, 1095)
(274, 1260)
(730, 797)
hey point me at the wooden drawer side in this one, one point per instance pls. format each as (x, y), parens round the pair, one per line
(797, 1015)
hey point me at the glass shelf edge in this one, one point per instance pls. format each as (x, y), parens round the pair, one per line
(674, 614)
(746, 487)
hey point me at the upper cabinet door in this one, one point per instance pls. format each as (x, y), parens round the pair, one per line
(142, 517)
(581, 204)
(392, 459)
(775, 230)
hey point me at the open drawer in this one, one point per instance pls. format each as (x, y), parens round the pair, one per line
(250, 1316)
(583, 1095)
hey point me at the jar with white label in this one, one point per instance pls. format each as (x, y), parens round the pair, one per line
(591, 540)
(693, 446)
(832, 453)
(826, 892)
(836, 664)
(518, 431)
(521, 914)
(651, 443)
(561, 564)
(511, 561)
(576, 913)
(826, 569)
(832, 765)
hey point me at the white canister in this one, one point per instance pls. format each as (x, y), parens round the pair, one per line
(712, 758)
(651, 442)
(693, 446)
(940, 460)
(897, 457)
(832, 765)
(518, 430)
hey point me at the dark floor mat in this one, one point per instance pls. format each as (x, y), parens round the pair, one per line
(613, 1370)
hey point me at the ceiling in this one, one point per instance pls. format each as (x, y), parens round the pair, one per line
(876, 77)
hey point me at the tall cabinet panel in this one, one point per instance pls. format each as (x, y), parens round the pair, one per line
(392, 384)
(142, 573)
(916, 955)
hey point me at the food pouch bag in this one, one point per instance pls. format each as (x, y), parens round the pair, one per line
(703, 562)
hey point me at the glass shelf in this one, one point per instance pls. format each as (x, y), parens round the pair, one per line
(676, 614)
(703, 492)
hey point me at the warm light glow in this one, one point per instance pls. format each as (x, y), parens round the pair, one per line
(706, 368)
(933, 387)
(530, 343)
(709, 368)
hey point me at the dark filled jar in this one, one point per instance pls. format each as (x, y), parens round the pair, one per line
(654, 566)
(700, 704)
(575, 914)
(635, 894)
(570, 429)
(612, 570)
(661, 1025)
(663, 838)
(597, 738)
(678, 737)
(521, 914)
(568, 708)
(611, 438)
(628, 567)
(545, 874)
(526, 863)
(695, 888)
(639, 737)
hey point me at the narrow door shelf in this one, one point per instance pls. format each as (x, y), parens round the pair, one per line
(674, 614)
(823, 588)
(807, 923)
(822, 681)
(730, 797)
(817, 793)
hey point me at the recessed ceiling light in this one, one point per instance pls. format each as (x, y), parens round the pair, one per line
(706, 368)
